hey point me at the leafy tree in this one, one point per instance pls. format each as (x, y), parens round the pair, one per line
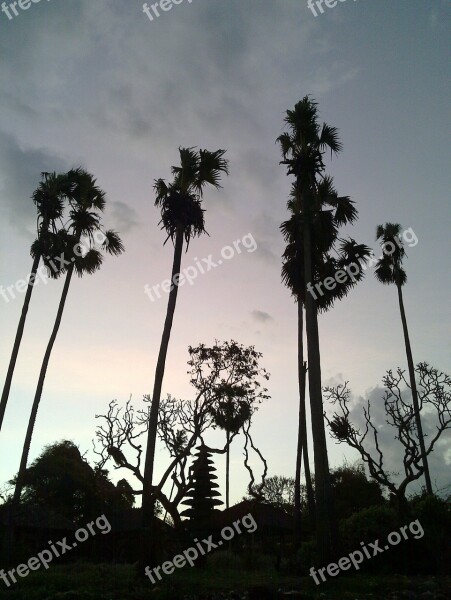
(351, 488)
(62, 480)
(230, 416)
(317, 213)
(182, 217)
(183, 424)
(49, 198)
(87, 202)
(280, 492)
(389, 270)
(230, 372)
(353, 491)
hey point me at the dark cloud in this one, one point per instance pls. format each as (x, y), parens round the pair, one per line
(20, 173)
(261, 316)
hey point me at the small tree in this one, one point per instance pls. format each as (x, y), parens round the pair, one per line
(434, 392)
(280, 492)
(230, 373)
(183, 424)
(62, 480)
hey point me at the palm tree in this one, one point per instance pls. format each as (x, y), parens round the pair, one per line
(182, 217)
(49, 200)
(87, 201)
(230, 414)
(293, 278)
(388, 271)
(324, 265)
(303, 147)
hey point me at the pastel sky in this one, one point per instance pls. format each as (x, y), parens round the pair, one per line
(100, 85)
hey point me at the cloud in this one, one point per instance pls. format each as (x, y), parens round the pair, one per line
(20, 173)
(123, 216)
(261, 316)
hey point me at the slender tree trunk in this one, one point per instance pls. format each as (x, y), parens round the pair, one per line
(302, 447)
(38, 394)
(413, 387)
(148, 500)
(322, 480)
(228, 471)
(308, 481)
(18, 339)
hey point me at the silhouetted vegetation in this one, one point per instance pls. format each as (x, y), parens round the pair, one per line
(298, 525)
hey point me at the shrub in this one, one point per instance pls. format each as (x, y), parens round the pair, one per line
(367, 525)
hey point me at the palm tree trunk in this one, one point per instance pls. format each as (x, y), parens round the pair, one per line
(18, 339)
(302, 431)
(228, 470)
(413, 387)
(308, 478)
(38, 394)
(322, 482)
(148, 500)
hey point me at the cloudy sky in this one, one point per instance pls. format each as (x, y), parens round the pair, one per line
(100, 85)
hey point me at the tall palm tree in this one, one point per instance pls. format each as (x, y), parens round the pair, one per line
(303, 146)
(87, 201)
(230, 414)
(325, 264)
(389, 270)
(293, 278)
(49, 198)
(182, 217)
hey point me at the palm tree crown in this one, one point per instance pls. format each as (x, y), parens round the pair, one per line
(389, 267)
(180, 202)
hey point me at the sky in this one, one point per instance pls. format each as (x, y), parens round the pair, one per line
(99, 84)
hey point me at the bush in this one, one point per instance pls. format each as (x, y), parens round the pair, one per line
(367, 525)
(432, 552)
(304, 559)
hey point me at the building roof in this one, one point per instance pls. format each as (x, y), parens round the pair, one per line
(269, 519)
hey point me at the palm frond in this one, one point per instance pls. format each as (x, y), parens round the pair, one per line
(89, 263)
(329, 139)
(211, 166)
(113, 243)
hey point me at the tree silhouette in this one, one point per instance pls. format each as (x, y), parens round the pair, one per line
(230, 414)
(49, 198)
(87, 202)
(435, 394)
(324, 265)
(318, 212)
(389, 271)
(61, 479)
(182, 217)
